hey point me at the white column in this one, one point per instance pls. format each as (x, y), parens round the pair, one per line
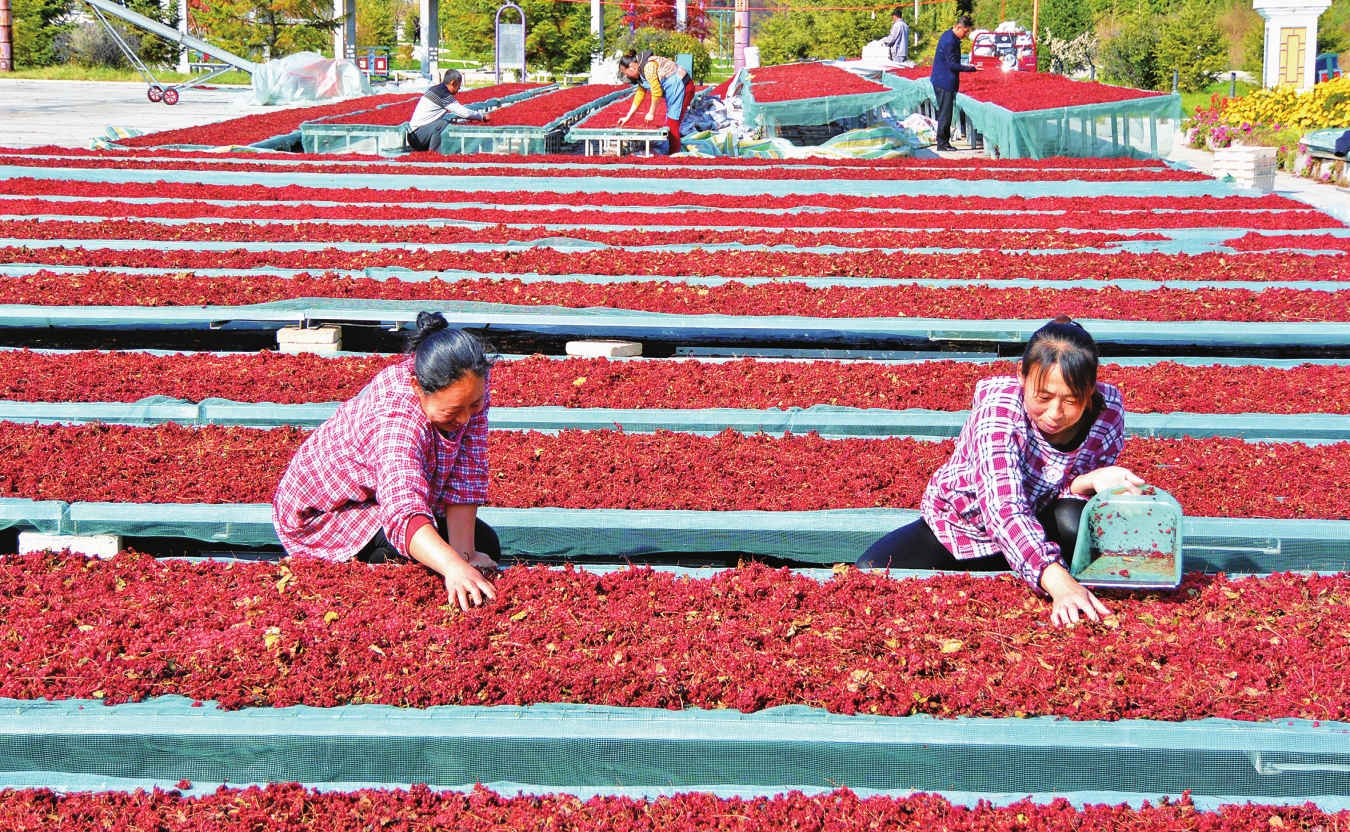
(681, 15)
(741, 34)
(431, 39)
(598, 22)
(340, 31)
(1286, 21)
(183, 63)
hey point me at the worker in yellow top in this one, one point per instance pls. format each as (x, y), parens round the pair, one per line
(664, 79)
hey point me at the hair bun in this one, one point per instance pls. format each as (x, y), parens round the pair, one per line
(429, 322)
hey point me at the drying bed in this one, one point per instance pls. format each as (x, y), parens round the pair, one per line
(1273, 267)
(798, 82)
(321, 634)
(1274, 305)
(262, 194)
(252, 128)
(443, 234)
(499, 168)
(965, 225)
(286, 806)
(1021, 92)
(939, 385)
(401, 111)
(601, 469)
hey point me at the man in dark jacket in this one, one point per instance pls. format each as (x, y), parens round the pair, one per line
(947, 69)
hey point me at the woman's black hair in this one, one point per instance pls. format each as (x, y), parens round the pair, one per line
(442, 356)
(628, 59)
(1063, 343)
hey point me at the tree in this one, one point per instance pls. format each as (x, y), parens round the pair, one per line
(1130, 57)
(801, 34)
(37, 23)
(670, 44)
(1192, 45)
(1067, 19)
(267, 29)
(377, 23)
(558, 37)
(660, 14)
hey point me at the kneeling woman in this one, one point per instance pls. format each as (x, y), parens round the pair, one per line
(400, 470)
(1012, 495)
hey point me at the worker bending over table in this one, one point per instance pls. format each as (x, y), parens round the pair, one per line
(664, 79)
(399, 471)
(1034, 447)
(435, 109)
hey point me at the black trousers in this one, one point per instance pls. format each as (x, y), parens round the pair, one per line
(946, 100)
(916, 547)
(378, 549)
(428, 136)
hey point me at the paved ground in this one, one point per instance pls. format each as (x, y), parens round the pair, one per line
(70, 113)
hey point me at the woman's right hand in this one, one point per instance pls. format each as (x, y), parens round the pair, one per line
(1071, 599)
(465, 584)
(624, 120)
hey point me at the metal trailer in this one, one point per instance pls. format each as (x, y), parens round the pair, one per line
(157, 92)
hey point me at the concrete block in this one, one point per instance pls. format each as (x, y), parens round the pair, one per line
(91, 545)
(293, 340)
(603, 349)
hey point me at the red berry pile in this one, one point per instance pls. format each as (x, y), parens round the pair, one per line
(597, 382)
(323, 634)
(732, 298)
(290, 806)
(604, 469)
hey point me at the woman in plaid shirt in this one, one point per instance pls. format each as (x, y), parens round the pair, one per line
(399, 471)
(1034, 448)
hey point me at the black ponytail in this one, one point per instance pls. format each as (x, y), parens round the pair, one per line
(442, 356)
(1063, 343)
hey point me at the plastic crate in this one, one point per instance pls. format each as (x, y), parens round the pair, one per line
(1129, 541)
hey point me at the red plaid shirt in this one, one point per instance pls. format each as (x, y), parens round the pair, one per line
(377, 463)
(985, 499)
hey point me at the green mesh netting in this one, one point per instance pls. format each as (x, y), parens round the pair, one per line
(320, 137)
(1137, 127)
(549, 747)
(810, 111)
(1212, 544)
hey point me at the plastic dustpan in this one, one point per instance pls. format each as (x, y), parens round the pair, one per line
(1129, 541)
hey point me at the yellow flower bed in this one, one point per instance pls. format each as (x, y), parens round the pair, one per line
(1325, 105)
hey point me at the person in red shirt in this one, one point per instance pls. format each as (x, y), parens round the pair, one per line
(398, 472)
(1034, 447)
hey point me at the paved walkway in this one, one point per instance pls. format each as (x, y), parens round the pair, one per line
(70, 113)
(1328, 198)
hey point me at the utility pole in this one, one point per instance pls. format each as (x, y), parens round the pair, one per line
(6, 38)
(740, 34)
(1036, 23)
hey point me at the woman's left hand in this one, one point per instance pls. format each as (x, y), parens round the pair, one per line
(1104, 479)
(650, 117)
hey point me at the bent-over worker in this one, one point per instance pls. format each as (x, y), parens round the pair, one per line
(435, 109)
(664, 79)
(399, 471)
(1034, 447)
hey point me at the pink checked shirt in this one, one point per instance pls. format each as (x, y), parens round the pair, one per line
(377, 463)
(984, 500)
